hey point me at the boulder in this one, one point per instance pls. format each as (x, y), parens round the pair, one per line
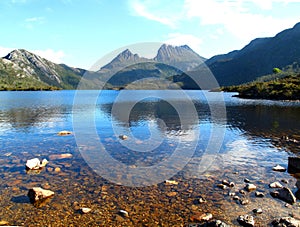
(285, 194)
(294, 165)
(246, 220)
(286, 221)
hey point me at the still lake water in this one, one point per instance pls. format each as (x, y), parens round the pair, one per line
(211, 143)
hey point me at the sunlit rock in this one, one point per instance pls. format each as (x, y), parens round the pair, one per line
(279, 168)
(35, 164)
(39, 196)
(64, 133)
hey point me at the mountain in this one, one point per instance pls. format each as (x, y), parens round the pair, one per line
(256, 59)
(181, 57)
(21, 70)
(127, 67)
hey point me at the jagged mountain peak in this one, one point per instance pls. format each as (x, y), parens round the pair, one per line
(182, 57)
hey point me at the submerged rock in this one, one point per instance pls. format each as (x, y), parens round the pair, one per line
(246, 220)
(60, 156)
(38, 196)
(279, 168)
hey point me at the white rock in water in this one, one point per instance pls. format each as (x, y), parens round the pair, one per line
(33, 163)
(275, 185)
(85, 210)
(37, 193)
(279, 168)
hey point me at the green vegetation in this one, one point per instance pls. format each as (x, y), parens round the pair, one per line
(286, 88)
(15, 80)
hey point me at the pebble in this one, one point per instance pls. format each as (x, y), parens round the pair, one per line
(259, 194)
(242, 192)
(85, 210)
(222, 186)
(123, 137)
(244, 201)
(235, 197)
(275, 185)
(123, 213)
(201, 217)
(202, 200)
(57, 169)
(257, 211)
(64, 133)
(171, 182)
(171, 194)
(279, 168)
(231, 193)
(246, 180)
(250, 187)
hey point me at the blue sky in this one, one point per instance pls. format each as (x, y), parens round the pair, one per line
(79, 33)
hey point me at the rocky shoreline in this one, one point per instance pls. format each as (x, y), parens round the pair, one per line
(230, 197)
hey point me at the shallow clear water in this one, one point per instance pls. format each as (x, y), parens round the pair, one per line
(189, 137)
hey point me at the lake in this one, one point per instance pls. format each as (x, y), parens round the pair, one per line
(197, 138)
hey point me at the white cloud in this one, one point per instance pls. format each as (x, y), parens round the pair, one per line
(51, 55)
(4, 51)
(244, 19)
(177, 39)
(237, 17)
(153, 10)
